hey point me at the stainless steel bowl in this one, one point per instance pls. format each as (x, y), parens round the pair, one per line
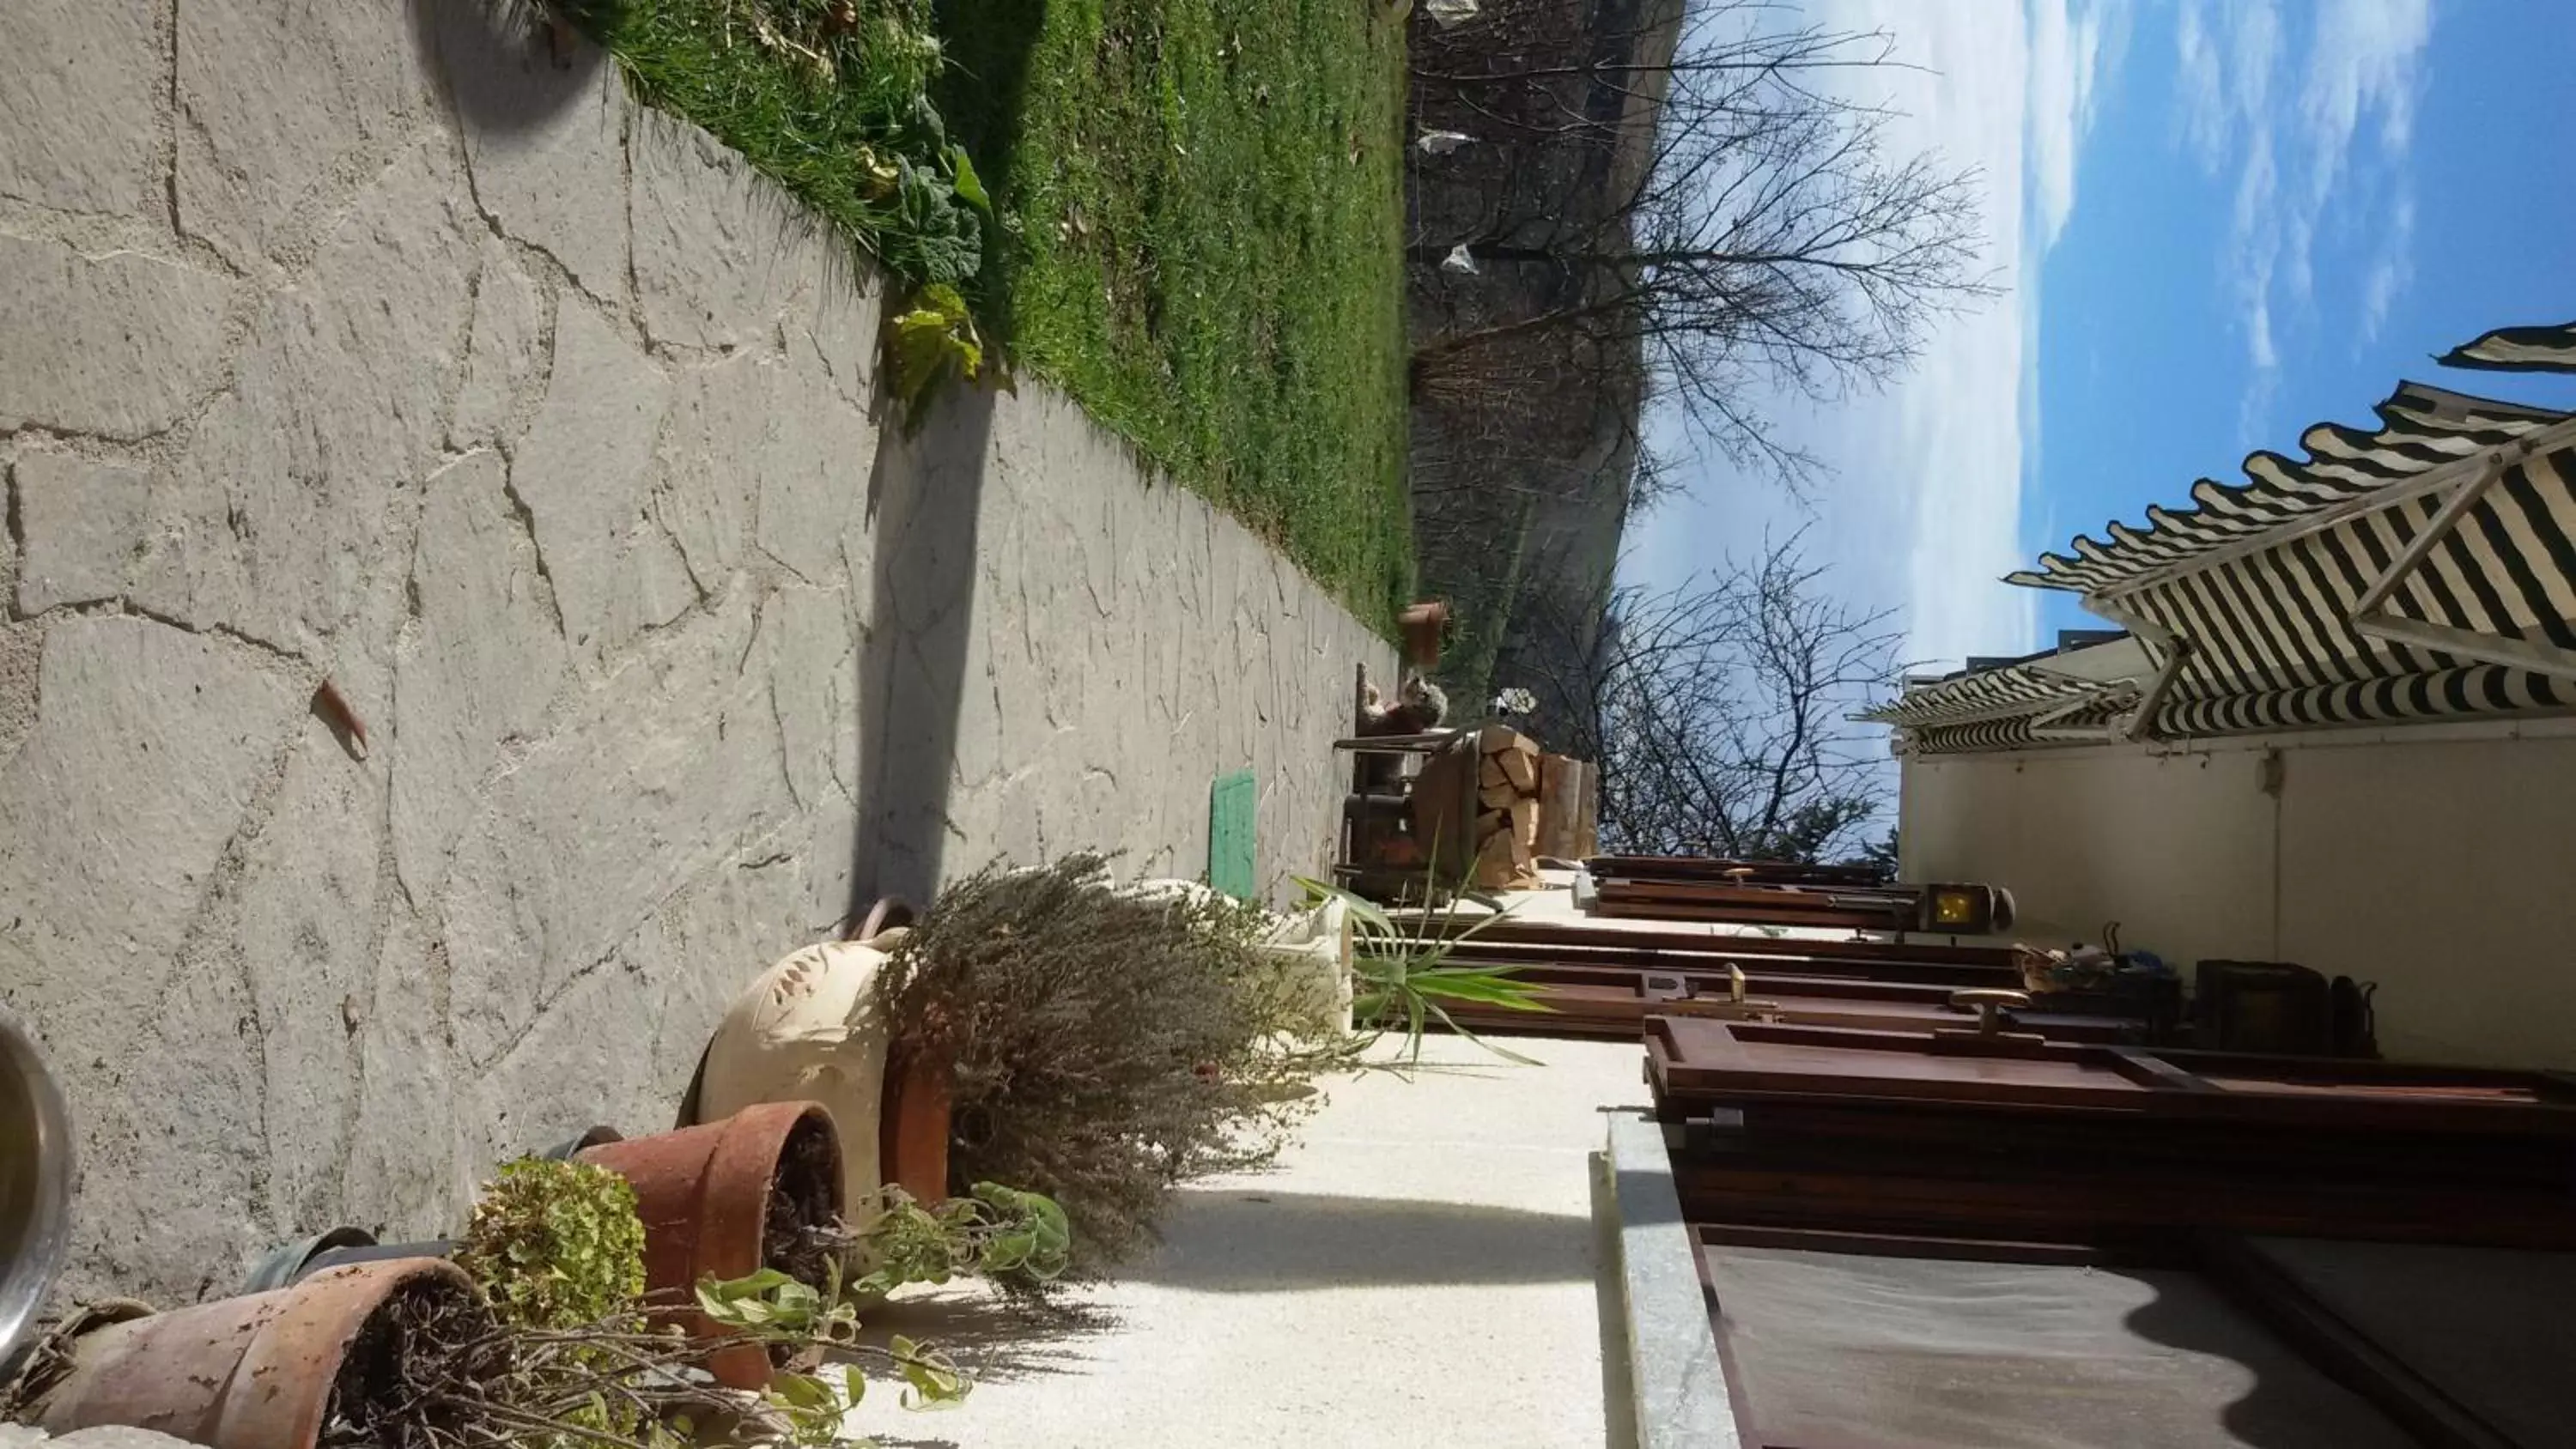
(36, 1175)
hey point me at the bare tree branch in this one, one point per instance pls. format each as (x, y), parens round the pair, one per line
(1716, 711)
(1707, 215)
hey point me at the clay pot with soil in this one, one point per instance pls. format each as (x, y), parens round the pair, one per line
(811, 1029)
(759, 1189)
(1423, 625)
(271, 1370)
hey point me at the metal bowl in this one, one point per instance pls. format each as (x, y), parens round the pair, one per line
(36, 1175)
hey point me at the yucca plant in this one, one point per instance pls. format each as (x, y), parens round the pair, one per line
(1401, 977)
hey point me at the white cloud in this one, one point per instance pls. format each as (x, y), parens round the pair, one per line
(2297, 157)
(2256, 242)
(2390, 271)
(2199, 84)
(2365, 60)
(2068, 55)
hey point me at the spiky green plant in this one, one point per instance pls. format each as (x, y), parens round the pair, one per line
(1401, 978)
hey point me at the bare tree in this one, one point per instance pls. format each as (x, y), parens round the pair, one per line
(1716, 712)
(1687, 197)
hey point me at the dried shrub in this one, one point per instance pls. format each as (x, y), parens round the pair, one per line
(1108, 1045)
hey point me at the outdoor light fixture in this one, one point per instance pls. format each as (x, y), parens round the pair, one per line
(1967, 910)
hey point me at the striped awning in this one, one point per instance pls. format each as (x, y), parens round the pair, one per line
(2519, 349)
(2422, 568)
(2087, 721)
(2044, 689)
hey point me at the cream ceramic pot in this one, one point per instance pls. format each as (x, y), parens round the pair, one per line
(809, 1030)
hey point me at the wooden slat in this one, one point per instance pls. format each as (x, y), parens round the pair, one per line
(1514, 931)
(2091, 1207)
(1560, 784)
(1905, 1245)
(2149, 1070)
(1717, 868)
(1755, 1062)
(1825, 961)
(1587, 830)
(1616, 1004)
(1818, 917)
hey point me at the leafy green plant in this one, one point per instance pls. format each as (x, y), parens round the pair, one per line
(832, 99)
(1401, 977)
(553, 1243)
(1002, 1233)
(1106, 1045)
(629, 1379)
(930, 340)
(571, 1354)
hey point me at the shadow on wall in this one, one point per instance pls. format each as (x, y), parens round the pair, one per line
(922, 502)
(1244, 1241)
(501, 74)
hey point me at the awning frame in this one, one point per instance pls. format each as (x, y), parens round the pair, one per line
(2437, 479)
(2466, 480)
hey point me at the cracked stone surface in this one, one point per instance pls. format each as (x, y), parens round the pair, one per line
(15, 1437)
(549, 436)
(277, 104)
(482, 661)
(82, 520)
(83, 126)
(580, 470)
(120, 345)
(718, 247)
(273, 519)
(506, 350)
(547, 148)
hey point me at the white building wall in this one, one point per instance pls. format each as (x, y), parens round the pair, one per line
(2438, 861)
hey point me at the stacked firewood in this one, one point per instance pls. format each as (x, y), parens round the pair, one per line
(1530, 806)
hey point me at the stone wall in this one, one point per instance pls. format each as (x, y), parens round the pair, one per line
(352, 343)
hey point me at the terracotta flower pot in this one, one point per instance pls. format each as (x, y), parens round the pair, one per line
(1423, 625)
(913, 1126)
(913, 1121)
(247, 1373)
(713, 1198)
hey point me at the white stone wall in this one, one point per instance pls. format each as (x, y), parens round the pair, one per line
(2428, 858)
(343, 342)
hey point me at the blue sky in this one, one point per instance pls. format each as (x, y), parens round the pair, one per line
(2219, 223)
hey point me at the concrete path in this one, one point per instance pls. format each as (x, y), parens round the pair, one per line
(363, 347)
(1417, 1271)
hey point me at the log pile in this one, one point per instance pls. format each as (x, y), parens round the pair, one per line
(1528, 805)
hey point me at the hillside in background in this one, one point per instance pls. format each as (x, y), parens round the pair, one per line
(1524, 437)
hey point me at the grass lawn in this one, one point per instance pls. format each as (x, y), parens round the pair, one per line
(1200, 213)
(1209, 246)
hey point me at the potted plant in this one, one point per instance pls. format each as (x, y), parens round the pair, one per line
(541, 1332)
(729, 1199)
(809, 1029)
(1401, 978)
(266, 1371)
(292, 1262)
(1105, 1043)
(1423, 625)
(722, 1200)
